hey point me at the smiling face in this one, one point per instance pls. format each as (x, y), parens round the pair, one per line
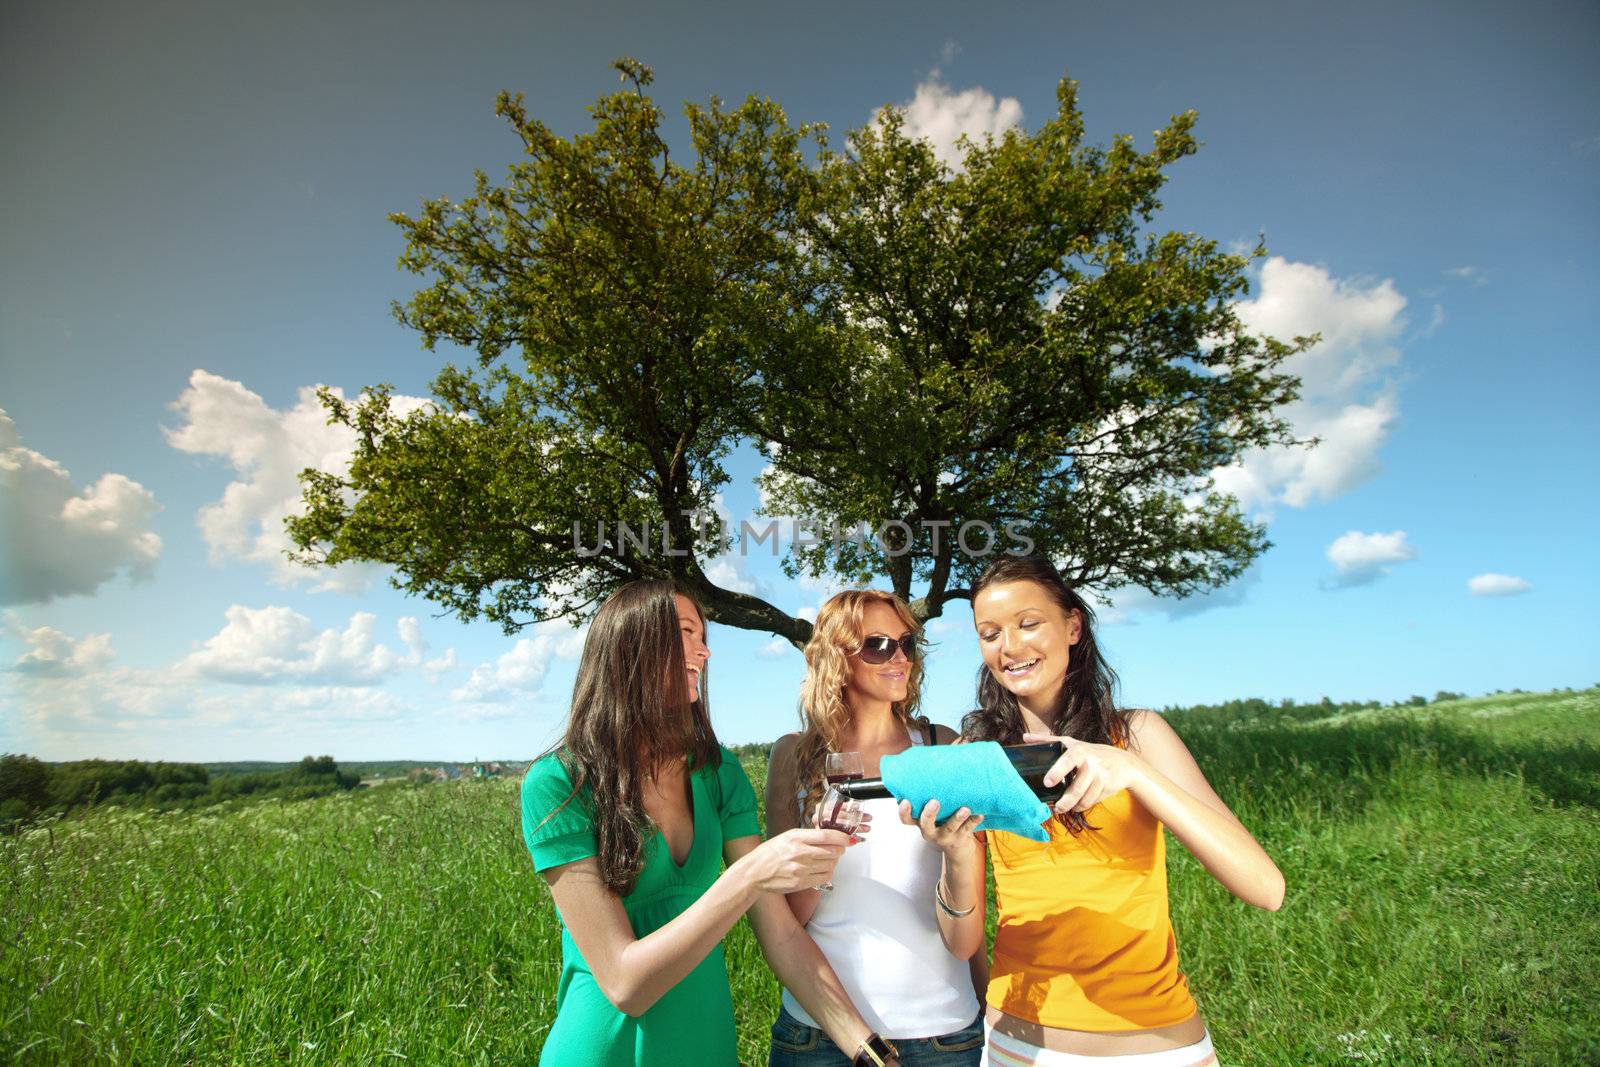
(880, 682)
(1026, 638)
(695, 652)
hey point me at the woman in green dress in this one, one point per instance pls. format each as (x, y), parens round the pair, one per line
(629, 820)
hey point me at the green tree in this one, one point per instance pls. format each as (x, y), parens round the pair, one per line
(643, 297)
(24, 788)
(1005, 344)
(1026, 352)
(318, 766)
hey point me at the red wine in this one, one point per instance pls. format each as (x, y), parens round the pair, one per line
(835, 818)
(1029, 761)
(846, 776)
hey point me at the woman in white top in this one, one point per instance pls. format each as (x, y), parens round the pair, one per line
(877, 924)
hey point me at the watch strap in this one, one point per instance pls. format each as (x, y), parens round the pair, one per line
(874, 1052)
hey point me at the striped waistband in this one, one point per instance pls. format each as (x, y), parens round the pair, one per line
(1003, 1050)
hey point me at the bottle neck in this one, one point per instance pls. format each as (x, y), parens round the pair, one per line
(863, 789)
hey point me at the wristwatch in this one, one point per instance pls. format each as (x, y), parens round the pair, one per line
(874, 1052)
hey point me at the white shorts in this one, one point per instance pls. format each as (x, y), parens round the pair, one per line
(1003, 1050)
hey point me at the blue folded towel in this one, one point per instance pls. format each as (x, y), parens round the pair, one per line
(976, 776)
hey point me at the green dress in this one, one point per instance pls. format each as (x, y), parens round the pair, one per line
(692, 1024)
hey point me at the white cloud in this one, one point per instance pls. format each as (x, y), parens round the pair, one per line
(267, 450)
(520, 672)
(433, 668)
(1128, 604)
(339, 703)
(54, 654)
(777, 648)
(1111, 612)
(71, 695)
(1361, 558)
(728, 571)
(1348, 399)
(1436, 320)
(417, 650)
(1467, 274)
(1497, 585)
(72, 700)
(266, 646)
(942, 117)
(61, 540)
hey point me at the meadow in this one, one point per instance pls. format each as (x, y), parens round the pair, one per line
(1443, 907)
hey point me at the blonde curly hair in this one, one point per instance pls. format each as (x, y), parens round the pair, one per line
(824, 714)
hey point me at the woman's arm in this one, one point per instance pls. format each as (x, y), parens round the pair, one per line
(783, 813)
(960, 870)
(633, 973)
(960, 875)
(799, 964)
(1158, 769)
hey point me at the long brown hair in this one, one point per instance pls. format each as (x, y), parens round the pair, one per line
(824, 714)
(625, 721)
(1087, 707)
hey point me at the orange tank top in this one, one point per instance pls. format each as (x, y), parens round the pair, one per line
(1085, 939)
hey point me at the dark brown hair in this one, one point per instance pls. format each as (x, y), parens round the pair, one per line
(625, 721)
(1087, 708)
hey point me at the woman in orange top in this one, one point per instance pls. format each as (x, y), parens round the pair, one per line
(1085, 962)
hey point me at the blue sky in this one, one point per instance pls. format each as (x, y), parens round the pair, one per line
(194, 210)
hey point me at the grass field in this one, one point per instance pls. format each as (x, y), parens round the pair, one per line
(1443, 907)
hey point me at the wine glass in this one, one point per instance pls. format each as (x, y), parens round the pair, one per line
(839, 812)
(843, 767)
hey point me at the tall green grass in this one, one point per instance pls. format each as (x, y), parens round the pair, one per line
(1442, 909)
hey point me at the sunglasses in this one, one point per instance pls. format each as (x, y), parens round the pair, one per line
(880, 649)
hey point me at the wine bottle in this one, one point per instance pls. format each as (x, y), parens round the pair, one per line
(1031, 762)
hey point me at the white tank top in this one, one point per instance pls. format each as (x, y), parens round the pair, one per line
(878, 931)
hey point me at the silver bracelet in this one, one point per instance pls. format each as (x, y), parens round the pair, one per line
(938, 898)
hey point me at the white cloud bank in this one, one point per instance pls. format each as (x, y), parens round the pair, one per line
(275, 644)
(777, 648)
(266, 673)
(518, 674)
(1348, 398)
(1362, 558)
(1497, 585)
(267, 449)
(60, 540)
(942, 117)
(265, 646)
(53, 654)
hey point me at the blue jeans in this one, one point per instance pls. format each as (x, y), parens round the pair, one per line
(794, 1044)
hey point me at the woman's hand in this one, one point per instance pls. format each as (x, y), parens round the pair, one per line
(1102, 771)
(797, 859)
(954, 838)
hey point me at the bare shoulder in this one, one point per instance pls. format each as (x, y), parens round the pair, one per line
(783, 748)
(1150, 729)
(1159, 745)
(782, 811)
(780, 764)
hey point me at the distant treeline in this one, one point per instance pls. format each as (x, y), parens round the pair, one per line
(1254, 708)
(359, 768)
(30, 788)
(1249, 709)
(755, 748)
